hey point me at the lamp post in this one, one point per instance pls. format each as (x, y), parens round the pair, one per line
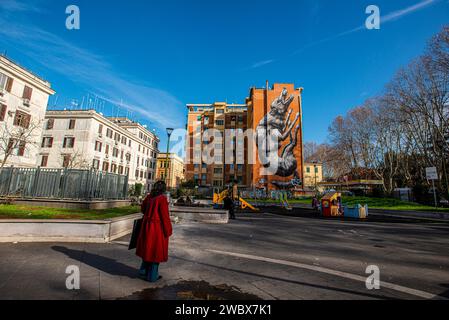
(169, 132)
(314, 171)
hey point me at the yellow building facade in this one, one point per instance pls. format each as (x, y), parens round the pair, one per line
(313, 175)
(171, 171)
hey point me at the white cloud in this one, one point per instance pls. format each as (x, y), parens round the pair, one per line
(262, 63)
(93, 72)
(384, 19)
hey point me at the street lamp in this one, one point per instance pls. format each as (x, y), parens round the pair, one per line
(169, 132)
(314, 171)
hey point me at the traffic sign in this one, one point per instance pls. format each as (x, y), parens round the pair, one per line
(431, 173)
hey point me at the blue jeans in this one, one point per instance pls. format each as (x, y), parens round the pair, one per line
(150, 270)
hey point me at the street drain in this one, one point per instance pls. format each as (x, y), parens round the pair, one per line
(192, 290)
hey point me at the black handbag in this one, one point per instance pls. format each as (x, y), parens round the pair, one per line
(135, 235)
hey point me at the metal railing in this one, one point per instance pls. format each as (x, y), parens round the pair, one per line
(62, 184)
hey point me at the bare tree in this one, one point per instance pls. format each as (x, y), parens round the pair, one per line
(75, 160)
(20, 137)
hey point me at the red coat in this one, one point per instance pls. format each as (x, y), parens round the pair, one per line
(152, 244)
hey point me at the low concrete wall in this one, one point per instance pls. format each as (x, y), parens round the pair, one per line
(98, 231)
(205, 215)
(74, 204)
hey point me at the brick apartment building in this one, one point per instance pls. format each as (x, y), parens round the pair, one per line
(251, 115)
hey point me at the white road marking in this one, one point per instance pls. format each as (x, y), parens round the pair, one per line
(414, 292)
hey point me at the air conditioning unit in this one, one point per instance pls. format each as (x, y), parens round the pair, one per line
(26, 102)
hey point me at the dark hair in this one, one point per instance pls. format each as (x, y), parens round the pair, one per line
(158, 189)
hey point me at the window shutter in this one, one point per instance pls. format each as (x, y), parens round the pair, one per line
(21, 148)
(9, 83)
(65, 143)
(10, 145)
(27, 92)
(27, 119)
(51, 142)
(2, 112)
(44, 161)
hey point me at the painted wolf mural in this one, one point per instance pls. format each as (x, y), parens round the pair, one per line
(278, 125)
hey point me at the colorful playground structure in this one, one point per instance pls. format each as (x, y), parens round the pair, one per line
(220, 196)
(331, 206)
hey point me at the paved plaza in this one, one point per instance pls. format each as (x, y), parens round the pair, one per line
(258, 256)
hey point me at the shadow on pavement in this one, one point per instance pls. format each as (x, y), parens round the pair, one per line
(107, 265)
(246, 273)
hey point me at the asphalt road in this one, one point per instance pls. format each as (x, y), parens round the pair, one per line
(259, 255)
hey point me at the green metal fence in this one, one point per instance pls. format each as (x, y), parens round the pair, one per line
(62, 184)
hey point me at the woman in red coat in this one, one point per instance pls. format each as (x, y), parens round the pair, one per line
(152, 244)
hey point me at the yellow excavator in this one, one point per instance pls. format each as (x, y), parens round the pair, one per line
(219, 197)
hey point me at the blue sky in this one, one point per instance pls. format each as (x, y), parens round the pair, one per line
(153, 57)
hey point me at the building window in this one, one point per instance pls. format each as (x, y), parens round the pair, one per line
(6, 82)
(22, 119)
(240, 167)
(27, 92)
(109, 133)
(2, 112)
(219, 122)
(47, 142)
(44, 160)
(120, 169)
(117, 136)
(106, 166)
(218, 170)
(124, 140)
(204, 178)
(72, 124)
(98, 146)
(114, 168)
(96, 164)
(100, 128)
(106, 151)
(220, 111)
(66, 160)
(69, 142)
(3, 80)
(21, 150)
(50, 124)
(115, 152)
(316, 169)
(129, 143)
(217, 183)
(126, 171)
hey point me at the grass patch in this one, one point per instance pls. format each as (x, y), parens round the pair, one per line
(390, 204)
(12, 211)
(373, 203)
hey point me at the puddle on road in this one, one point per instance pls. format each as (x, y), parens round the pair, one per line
(192, 290)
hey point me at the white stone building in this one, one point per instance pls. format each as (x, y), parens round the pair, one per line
(23, 102)
(86, 139)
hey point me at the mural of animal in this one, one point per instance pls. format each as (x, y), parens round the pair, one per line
(278, 125)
